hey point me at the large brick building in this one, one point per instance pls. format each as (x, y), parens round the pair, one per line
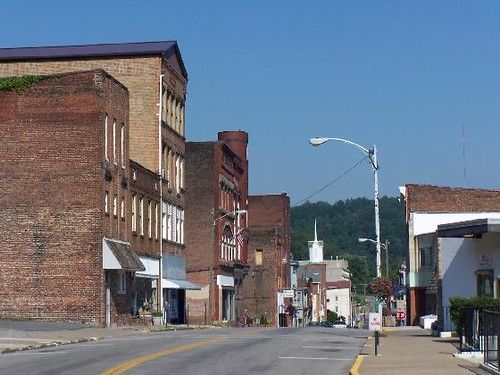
(216, 236)
(426, 208)
(268, 257)
(64, 170)
(156, 79)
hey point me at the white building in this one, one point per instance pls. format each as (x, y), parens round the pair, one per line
(469, 261)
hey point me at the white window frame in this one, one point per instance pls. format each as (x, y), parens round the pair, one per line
(106, 202)
(114, 141)
(134, 213)
(121, 282)
(141, 216)
(106, 156)
(122, 145)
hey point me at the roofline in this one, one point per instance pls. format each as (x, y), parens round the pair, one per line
(22, 57)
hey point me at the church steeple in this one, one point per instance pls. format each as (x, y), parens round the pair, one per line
(315, 247)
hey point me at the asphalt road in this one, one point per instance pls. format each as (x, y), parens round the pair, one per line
(311, 350)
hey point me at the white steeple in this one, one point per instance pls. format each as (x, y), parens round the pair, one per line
(315, 248)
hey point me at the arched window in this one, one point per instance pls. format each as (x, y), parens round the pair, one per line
(227, 244)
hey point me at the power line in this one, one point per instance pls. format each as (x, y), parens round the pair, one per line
(331, 182)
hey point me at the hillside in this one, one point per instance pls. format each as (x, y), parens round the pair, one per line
(342, 223)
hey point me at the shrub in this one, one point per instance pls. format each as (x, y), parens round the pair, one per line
(457, 303)
(331, 316)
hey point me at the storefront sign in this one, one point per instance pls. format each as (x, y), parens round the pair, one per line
(374, 322)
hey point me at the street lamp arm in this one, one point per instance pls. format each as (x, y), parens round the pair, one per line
(319, 141)
(237, 212)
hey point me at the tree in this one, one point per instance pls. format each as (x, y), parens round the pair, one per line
(382, 288)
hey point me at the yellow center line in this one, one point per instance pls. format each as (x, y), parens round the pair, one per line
(127, 365)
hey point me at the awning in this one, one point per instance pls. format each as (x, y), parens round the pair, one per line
(152, 266)
(118, 255)
(470, 228)
(179, 284)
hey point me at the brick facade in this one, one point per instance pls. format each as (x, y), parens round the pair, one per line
(217, 180)
(54, 179)
(156, 79)
(268, 255)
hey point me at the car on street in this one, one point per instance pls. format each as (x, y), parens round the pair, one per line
(339, 324)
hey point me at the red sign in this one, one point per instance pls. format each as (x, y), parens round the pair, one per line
(400, 315)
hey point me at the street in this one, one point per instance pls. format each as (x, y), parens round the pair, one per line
(288, 351)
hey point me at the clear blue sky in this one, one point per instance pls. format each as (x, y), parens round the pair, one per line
(404, 75)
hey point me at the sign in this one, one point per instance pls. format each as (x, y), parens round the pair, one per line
(400, 305)
(288, 293)
(400, 315)
(374, 322)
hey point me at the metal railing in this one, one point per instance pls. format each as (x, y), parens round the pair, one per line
(491, 332)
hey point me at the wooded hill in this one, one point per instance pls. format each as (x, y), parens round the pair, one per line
(342, 223)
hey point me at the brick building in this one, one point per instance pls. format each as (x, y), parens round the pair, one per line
(426, 208)
(268, 257)
(145, 216)
(216, 245)
(156, 79)
(66, 250)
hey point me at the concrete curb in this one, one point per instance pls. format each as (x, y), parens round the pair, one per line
(356, 365)
(50, 344)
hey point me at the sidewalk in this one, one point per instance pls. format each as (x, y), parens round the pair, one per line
(26, 335)
(413, 350)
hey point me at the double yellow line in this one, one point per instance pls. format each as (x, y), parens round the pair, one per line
(127, 365)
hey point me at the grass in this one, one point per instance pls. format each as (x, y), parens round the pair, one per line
(19, 83)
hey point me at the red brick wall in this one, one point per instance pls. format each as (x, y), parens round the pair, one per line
(204, 165)
(52, 217)
(428, 198)
(269, 231)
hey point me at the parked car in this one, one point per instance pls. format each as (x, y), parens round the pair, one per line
(339, 324)
(326, 324)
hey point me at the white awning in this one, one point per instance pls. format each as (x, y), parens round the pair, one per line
(118, 255)
(152, 267)
(179, 284)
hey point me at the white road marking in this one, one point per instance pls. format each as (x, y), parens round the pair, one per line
(330, 347)
(318, 359)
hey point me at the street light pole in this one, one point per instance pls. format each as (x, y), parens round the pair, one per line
(372, 156)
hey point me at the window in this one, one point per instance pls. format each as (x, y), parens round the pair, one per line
(485, 283)
(169, 223)
(336, 298)
(114, 141)
(258, 257)
(150, 222)
(141, 216)
(106, 203)
(115, 206)
(156, 221)
(134, 213)
(181, 122)
(121, 283)
(164, 162)
(426, 250)
(106, 138)
(122, 145)
(122, 208)
(177, 173)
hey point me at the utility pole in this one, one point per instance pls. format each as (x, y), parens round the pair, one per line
(387, 258)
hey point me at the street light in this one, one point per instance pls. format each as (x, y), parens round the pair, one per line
(372, 156)
(385, 246)
(236, 212)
